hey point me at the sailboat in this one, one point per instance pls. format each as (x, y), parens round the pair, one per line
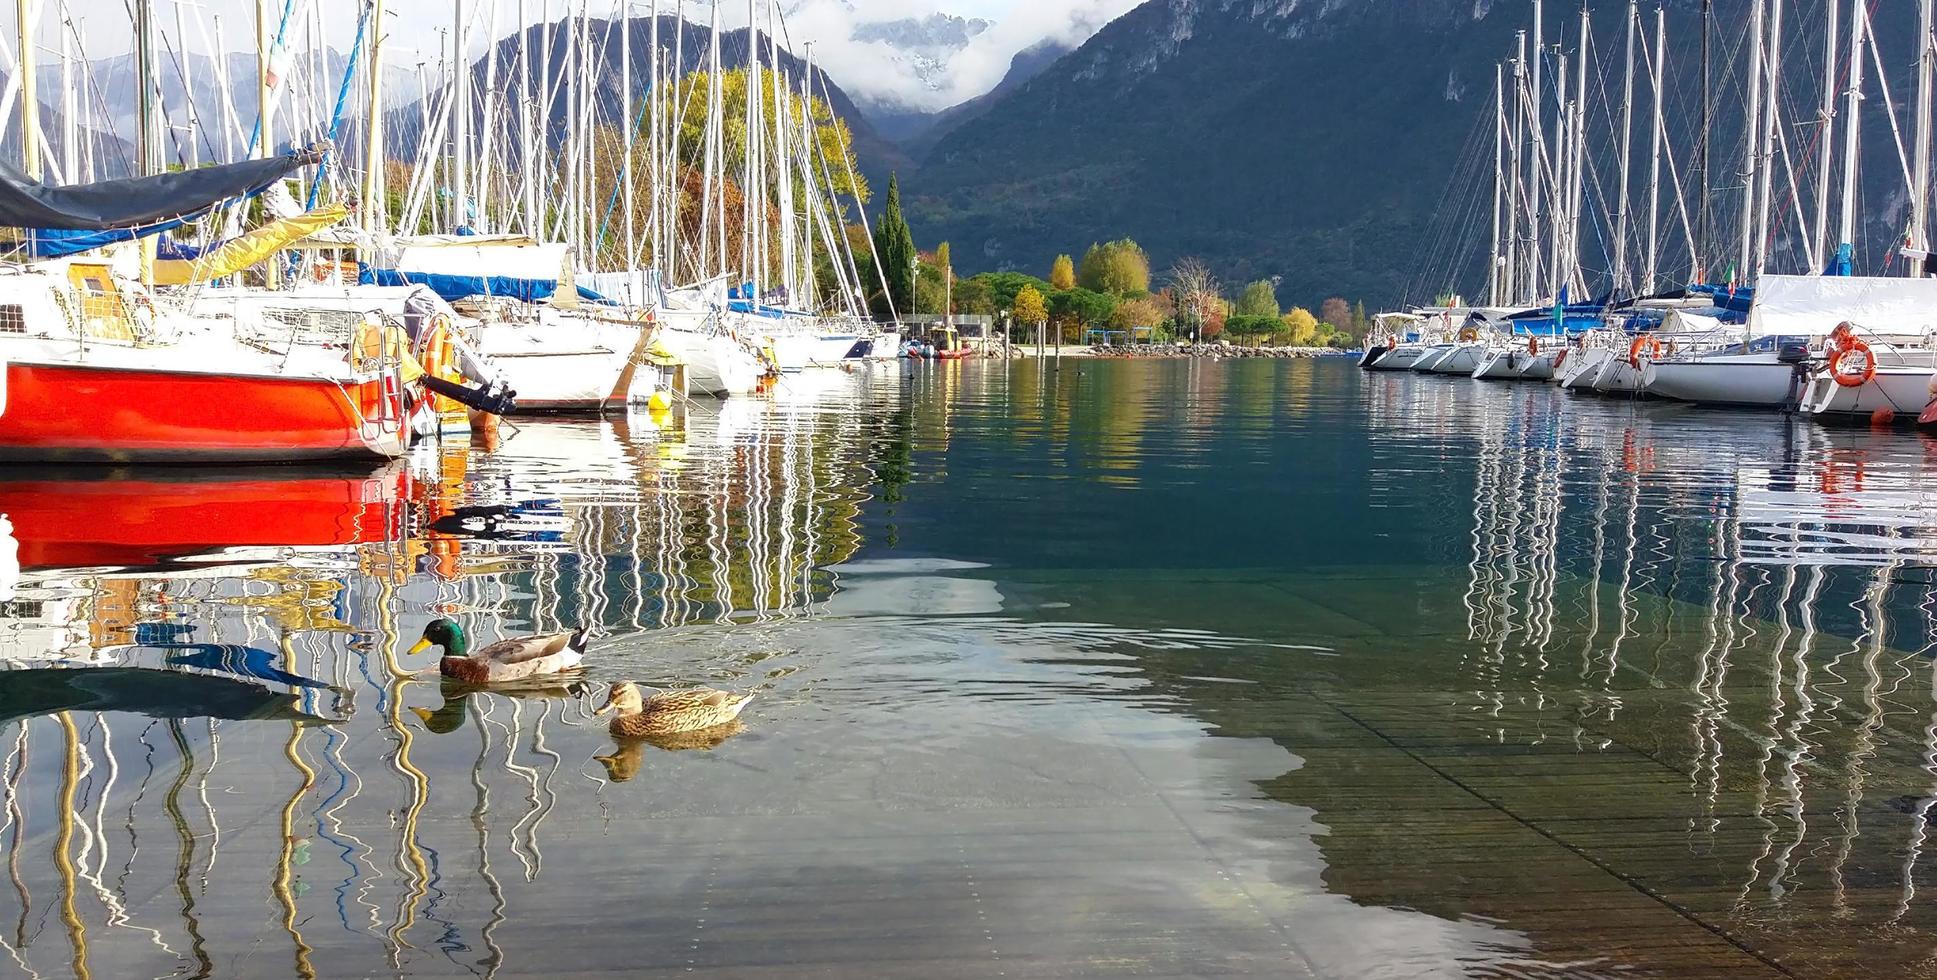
(98, 371)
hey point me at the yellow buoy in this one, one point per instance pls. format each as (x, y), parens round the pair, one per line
(660, 402)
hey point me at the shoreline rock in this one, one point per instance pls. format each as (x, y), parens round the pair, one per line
(1212, 352)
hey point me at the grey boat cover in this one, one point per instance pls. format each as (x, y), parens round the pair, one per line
(110, 205)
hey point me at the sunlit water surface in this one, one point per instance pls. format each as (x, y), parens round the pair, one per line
(1119, 669)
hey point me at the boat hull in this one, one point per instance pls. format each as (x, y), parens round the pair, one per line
(97, 414)
(1462, 359)
(1583, 367)
(566, 365)
(1903, 391)
(1618, 377)
(1539, 367)
(1747, 380)
(1400, 358)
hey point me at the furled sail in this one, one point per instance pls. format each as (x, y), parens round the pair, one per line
(110, 205)
(243, 251)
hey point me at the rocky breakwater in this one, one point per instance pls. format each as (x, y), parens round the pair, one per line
(1213, 352)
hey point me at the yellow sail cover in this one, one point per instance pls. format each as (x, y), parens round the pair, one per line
(243, 251)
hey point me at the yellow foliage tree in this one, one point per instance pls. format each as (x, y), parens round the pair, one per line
(1029, 306)
(1062, 273)
(1302, 326)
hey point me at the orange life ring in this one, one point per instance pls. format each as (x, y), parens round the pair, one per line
(1533, 345)
(1560, 358)
(1840, 337)
(1643, 343)
(1845, 378)
(1468, 335)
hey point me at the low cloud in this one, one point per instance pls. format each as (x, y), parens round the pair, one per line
(877, 72)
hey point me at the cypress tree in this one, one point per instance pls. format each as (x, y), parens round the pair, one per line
(894, 250)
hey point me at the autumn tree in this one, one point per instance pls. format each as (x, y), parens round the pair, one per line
(1029, 309)
(1336, 312)
(1196, 291)
(1119, 268)
(1062, 273)
(1259, 299)
(1302, 326)
(1139, 313)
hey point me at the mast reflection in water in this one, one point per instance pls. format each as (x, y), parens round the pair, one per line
(1172, 668)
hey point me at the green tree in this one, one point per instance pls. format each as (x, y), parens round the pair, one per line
(1004, 286)
(1074, 309)
(1062, 273)
(1259, 299)
(1251, 327)
(894, 249)
(1302, 326)
(973, 296)
(1029, 309)
(1119, 268)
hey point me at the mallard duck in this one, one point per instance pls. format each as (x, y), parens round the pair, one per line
(506, 660)
(671, 712)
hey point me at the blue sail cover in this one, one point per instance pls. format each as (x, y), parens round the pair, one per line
(738, 300)
(453, 288)
(43, 243)
(1843, 263)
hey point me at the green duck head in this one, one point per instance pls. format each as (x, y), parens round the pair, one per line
(445, 634)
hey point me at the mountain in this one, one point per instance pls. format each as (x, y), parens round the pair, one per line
(920, 46)
(686, 43)
(1027, 64)
(1346, 147)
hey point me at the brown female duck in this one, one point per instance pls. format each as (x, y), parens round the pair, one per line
(670, 712)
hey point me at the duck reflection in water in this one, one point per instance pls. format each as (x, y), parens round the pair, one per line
(628, 754)
(451, 715)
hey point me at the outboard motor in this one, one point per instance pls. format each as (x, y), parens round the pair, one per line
(1795, 353)
(493, 399)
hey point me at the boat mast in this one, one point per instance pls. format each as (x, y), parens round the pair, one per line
(1654, 155)
(1499, 179)
(70, 110)
(1579, 165)
(627, 190)
(1701, 150)
(265, 132)
(1621, 220)
(655, 174)
(1826, 132)
(1536, 274)
(1920, 174)
(752, 217)
(1561, 183)
(488, 133)
(376, 216)
(784, 163)
(1515, 267)
(1854, 99)
(147, 145)
(527, 186)
(1771, 112)
(29, 91)
(1750, 128)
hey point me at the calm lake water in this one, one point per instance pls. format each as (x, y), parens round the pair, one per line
(1151, 669)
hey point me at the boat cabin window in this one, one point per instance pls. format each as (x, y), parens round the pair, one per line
(13, 318)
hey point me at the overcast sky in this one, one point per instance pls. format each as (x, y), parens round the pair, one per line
(414, 28)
